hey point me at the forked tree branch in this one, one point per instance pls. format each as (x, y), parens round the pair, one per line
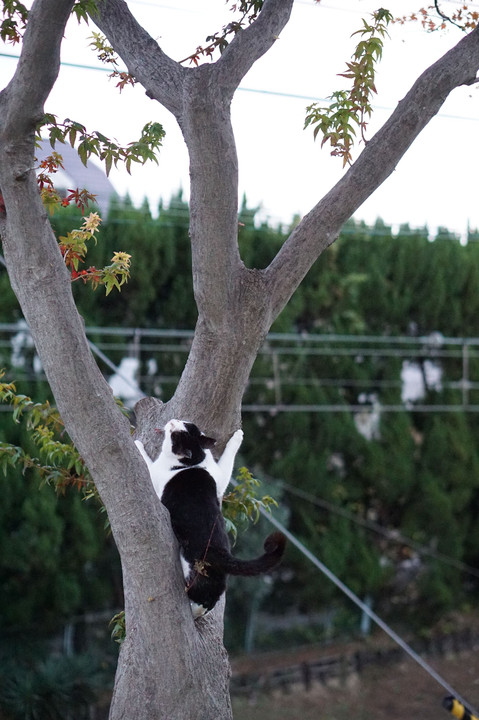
(321, 226)
(161, 76)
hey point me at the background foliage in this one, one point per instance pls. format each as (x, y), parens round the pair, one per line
(419, 477)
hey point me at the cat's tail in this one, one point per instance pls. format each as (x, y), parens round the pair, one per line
(274, 546)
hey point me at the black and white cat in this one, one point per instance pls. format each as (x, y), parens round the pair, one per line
(191, 484)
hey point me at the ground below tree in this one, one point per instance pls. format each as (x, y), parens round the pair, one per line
(400, 691)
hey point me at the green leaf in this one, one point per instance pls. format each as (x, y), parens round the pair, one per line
(83, 152)
(108, 163)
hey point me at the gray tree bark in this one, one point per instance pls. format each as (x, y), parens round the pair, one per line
(171, 667)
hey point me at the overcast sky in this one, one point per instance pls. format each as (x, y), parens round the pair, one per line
(282, 170)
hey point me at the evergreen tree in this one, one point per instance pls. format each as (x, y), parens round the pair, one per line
(417, 475)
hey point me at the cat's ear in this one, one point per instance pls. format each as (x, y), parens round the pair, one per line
(206, 442)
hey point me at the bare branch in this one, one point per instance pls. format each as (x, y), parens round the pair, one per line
(320, 227)
(445, 17)
(161, 76)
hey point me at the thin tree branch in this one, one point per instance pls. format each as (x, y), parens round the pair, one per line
(445, 17)
(161, 76)
(321, 226)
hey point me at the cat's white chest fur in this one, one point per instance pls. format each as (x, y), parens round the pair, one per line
(166, 465)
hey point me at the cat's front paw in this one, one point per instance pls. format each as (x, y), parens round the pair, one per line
(142, 451)
(141, 447)
(237, 438)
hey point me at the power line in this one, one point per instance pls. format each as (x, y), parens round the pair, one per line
(332, 408)
(260, 91)
(391, 535)
(366, 609)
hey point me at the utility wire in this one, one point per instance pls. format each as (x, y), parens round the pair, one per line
(392, 535)
(367, 610)
(276, 93)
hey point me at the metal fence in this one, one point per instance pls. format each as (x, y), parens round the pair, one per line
(270, 676)
(336, 373)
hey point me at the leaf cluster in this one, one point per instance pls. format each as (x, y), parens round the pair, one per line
(95, 143)
(118, 624)
(73, 247)
(106, 54)
(352, 107)
(242, 505)
(58, 463)
(83, 9)
(117, 273)
(48, 167)
(50, 196)
(464, 17)
(15, 15)
(14, 21)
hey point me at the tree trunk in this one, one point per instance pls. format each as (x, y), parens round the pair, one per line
(171, 667)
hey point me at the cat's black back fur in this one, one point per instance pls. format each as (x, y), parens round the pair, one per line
(200, 530)
(192, 500)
